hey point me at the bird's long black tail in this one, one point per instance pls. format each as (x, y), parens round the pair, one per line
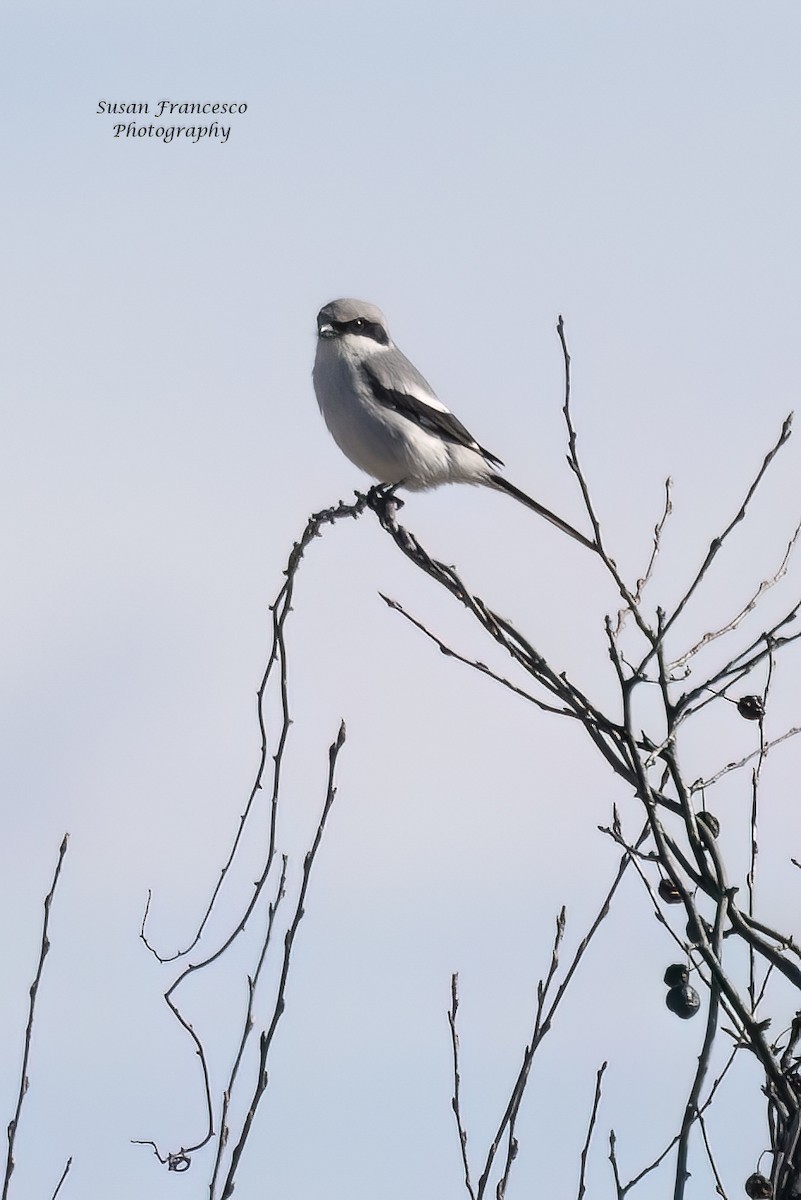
(503, 485)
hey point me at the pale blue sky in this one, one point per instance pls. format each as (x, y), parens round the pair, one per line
(474, 169)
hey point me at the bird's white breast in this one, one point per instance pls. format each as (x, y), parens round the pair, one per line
(381, 442)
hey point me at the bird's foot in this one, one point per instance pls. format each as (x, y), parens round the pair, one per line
(384, 501)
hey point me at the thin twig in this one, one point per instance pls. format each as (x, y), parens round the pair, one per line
(266, 1038)
(280, 608)
(253, 982)
(518, 1090)
(691, 1108)
(742, 663)
(576, 468)
(619, 1190)
(652, 1166)
(179, 1160)
(586, 1148)
(457, 1079)
(761, 753)
(44, 947)
(643, 582)
(605, 734)
(581, 949)
(748, 607)
(750, 878)
(719, 541)
(716, 887)
(481, 667)
(543, 1022)
(64, 1175)
(719, 1188)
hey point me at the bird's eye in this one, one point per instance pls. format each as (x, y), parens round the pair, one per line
(359, 323)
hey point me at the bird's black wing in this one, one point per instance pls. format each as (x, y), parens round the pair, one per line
(388, 375)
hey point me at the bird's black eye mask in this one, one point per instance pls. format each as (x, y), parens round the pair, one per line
(362, 328)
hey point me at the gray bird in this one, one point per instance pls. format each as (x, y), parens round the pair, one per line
(387, 419)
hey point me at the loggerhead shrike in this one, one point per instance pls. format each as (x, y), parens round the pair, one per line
(385, 417)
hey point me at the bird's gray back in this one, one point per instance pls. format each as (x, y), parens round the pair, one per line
(394, 372)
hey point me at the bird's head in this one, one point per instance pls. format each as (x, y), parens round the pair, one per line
(350, 319)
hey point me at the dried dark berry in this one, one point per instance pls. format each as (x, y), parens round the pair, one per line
(676, 974)
(712, 823)
(683, 1000)
(753, 709)
(758, 1187)
(669, 892)
(692, 932)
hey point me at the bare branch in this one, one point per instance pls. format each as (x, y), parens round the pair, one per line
(685, 852)
(605, 734)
